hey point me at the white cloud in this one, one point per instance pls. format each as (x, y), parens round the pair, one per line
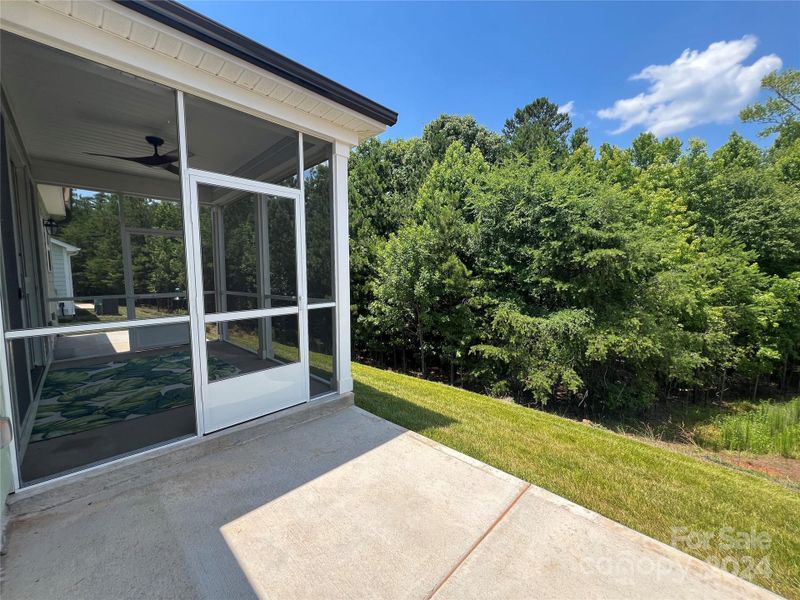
(711, 86)
(567, 108)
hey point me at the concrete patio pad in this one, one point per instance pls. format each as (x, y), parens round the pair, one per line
(346, 505)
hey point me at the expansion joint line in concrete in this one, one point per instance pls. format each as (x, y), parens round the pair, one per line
(479, 541)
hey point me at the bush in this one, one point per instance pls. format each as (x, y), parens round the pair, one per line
(769, 429)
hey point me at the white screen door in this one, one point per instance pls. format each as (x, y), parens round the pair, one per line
(250, 279)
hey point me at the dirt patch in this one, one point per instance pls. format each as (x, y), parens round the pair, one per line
(785, 471)
(776, 467)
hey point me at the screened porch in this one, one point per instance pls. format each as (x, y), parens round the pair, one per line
(202, 271)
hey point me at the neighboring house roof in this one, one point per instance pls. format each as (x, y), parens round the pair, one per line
(194, 24)
(69, 248)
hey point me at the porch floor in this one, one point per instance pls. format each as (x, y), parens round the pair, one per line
(346, 505)
(76, 443)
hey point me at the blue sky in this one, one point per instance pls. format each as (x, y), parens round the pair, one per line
(486, 59)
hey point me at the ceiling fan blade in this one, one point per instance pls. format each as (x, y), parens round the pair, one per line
(173, 155)
(131, 158)
(154, 160)
(157, 160)
(173, 169)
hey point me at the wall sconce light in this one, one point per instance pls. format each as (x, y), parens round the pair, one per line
(51, 226)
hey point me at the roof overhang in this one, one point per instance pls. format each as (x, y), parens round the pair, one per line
(119, 35)
(184, 19)
(68, 248)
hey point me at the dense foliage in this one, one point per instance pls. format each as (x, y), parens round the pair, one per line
(533, 265)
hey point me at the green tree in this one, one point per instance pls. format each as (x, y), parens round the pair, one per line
(443, 199)
(444, 205)
(92, 224)
(781, 112)
(540, 354)
(416, 276)
(647, 150)
(769, 224)
(384, 178)
(602, 279)
(579, 138)
(440, 133)
(319, 230)
(539, 127)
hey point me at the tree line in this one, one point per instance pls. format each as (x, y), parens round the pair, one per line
(529, 264)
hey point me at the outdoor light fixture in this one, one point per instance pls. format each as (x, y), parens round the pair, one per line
(51, 226)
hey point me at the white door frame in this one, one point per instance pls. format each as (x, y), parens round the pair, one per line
(207, 397)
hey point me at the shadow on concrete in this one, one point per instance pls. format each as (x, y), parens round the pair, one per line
(154, 528)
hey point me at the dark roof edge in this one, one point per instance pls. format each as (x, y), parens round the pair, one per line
(192, 23)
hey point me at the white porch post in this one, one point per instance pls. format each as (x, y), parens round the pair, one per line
(263, 277)
(341, 153)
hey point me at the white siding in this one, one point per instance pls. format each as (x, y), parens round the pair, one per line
(61, 282)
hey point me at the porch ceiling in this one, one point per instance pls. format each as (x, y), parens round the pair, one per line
(66, 108)
(117, 35)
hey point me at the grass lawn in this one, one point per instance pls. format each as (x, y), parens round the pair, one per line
(647, 488)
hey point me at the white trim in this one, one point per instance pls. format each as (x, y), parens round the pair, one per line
(256, 313)
(232, 182)
(302, 277)
(66, 246)
(131, 457)
(194, 270)
(91, 327)
(154, 296)
(315, 305)
(341, 261)
(8, 409)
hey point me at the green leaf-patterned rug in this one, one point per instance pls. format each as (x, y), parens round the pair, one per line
(83, 398)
